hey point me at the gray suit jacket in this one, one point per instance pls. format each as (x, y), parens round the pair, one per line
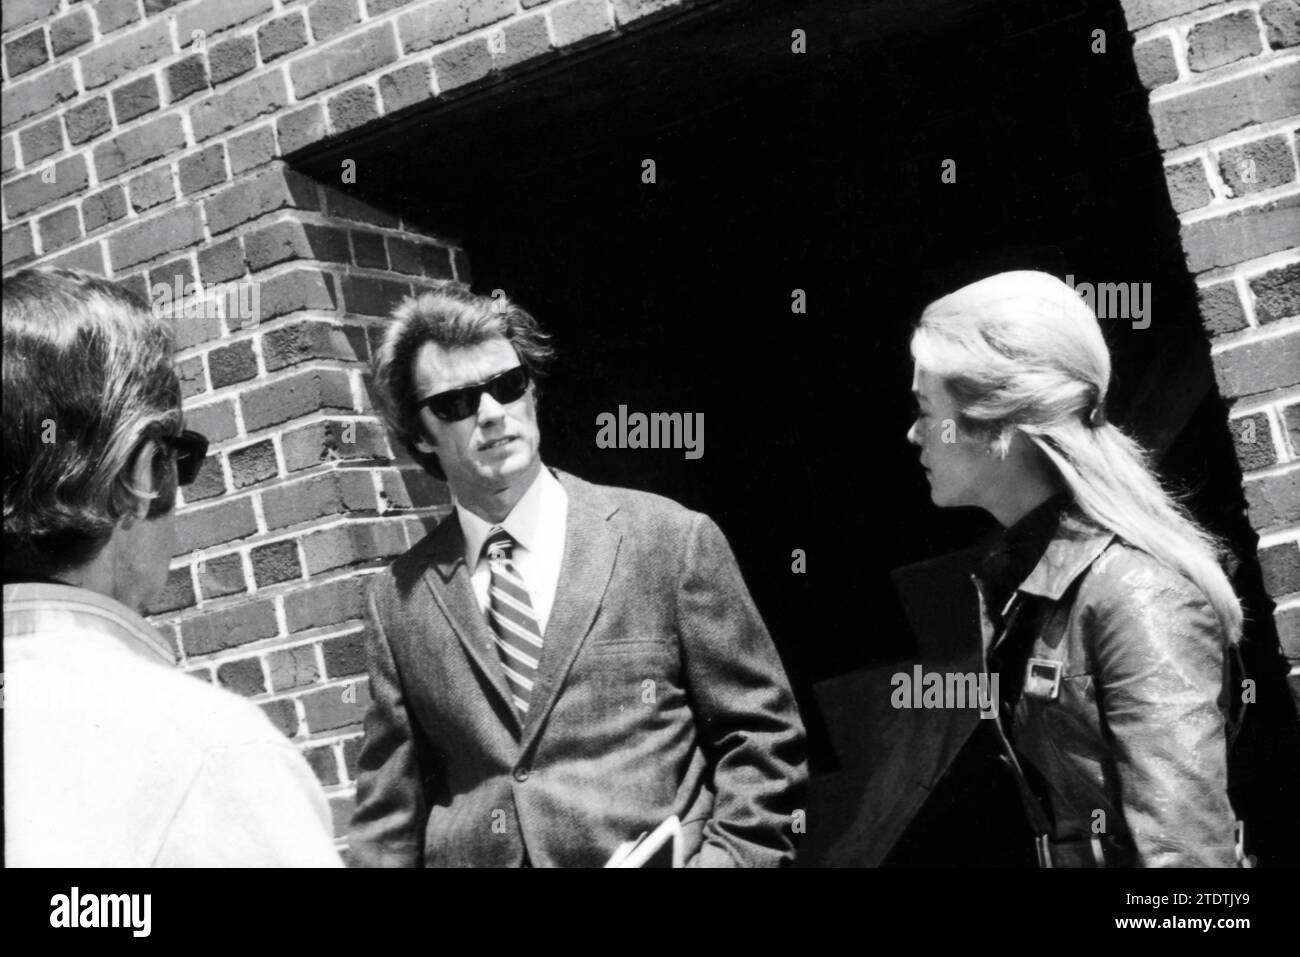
(658, 692)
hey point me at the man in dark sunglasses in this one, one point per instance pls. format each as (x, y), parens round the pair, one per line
(113, 756)
(559, 666)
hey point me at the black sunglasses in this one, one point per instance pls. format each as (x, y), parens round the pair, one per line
(458, 404)
(190, 448)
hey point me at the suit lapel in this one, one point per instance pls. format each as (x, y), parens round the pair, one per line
(590, 548)
(448, 579)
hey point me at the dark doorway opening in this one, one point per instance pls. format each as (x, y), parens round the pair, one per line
(821, 171)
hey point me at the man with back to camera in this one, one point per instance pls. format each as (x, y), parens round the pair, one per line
(559, 666)
(113, 757)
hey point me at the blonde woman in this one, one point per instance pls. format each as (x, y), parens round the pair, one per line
(1103, 607)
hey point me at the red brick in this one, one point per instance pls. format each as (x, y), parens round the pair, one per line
(214, 17)
(221, 262)
(370, 296)
(341, 811)
(1143, 13)
(242, 677)
(276, 38)
(178, 593)
(87, 120)
(301, 341)
(1248, 234)
(239, 105)
(353, 108)
(115, 14)
(251, 149)
(8, 155)
(1200, 115)
(229, 628)
(216, 420)
(1288, 637)
(292, 239)
(19, 13)
(185, 77)
(215, 524)
(106, 62)
(68, 33)
(411, 488)
(276, 562)
(192, 377)
(276, 188)
(345, 655)
(18, 244)
(526, 39)
(375, 8)
(1273, 501)
(22, 101)
(322, 442)
(169, 273)
(436, 262)
(1188, 186)
(104, 207)
(295, 396)
(329, 18)
(176, 229)
(1221, 310)
(202, 674)
(1277, 294)
(296, 291)
(351, 543)
(352, 753)
(29, 193)
(1282, 20)
(404, 256)
(1256, 368)
(231, 58)
(1253, 441)
(462, 65)
(1280, 565)
(368, 250)
(1223, 40)
(41, 140)
(433, 23)
(630, 11)
(222, 576)
(253, 464)
(406, 86)
(342, 206)
(301, 128)
(87, 258)
(192, 328)
(293, 667)
(323, 764)
(230, 364)
(203, 170)
(1262, 164)
(331, 603)
(337, 492)
(282, 715)
(27, 52)
(135, 99)
(337, 706)
(143, 144)
(209, 483)
(357, 55)
(152, 189)
(59, 229)
(577, 21)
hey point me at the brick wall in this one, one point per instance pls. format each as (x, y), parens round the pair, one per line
(1224, 81)
(144, 140)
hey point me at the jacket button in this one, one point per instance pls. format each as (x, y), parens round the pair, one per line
(521, 775)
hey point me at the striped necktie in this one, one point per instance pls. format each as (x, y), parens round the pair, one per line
(510, 610)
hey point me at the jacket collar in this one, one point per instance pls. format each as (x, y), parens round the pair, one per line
(34, 607)
(1074, 547)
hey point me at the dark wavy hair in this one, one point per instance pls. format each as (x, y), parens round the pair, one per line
(452, 317)
(88, 379)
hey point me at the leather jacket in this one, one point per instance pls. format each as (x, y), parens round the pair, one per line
(1113, 695)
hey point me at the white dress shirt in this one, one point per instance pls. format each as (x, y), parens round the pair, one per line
(115, 758)
(536, 523)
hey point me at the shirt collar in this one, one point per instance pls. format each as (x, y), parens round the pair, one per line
(38, 606)
(525, 523)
